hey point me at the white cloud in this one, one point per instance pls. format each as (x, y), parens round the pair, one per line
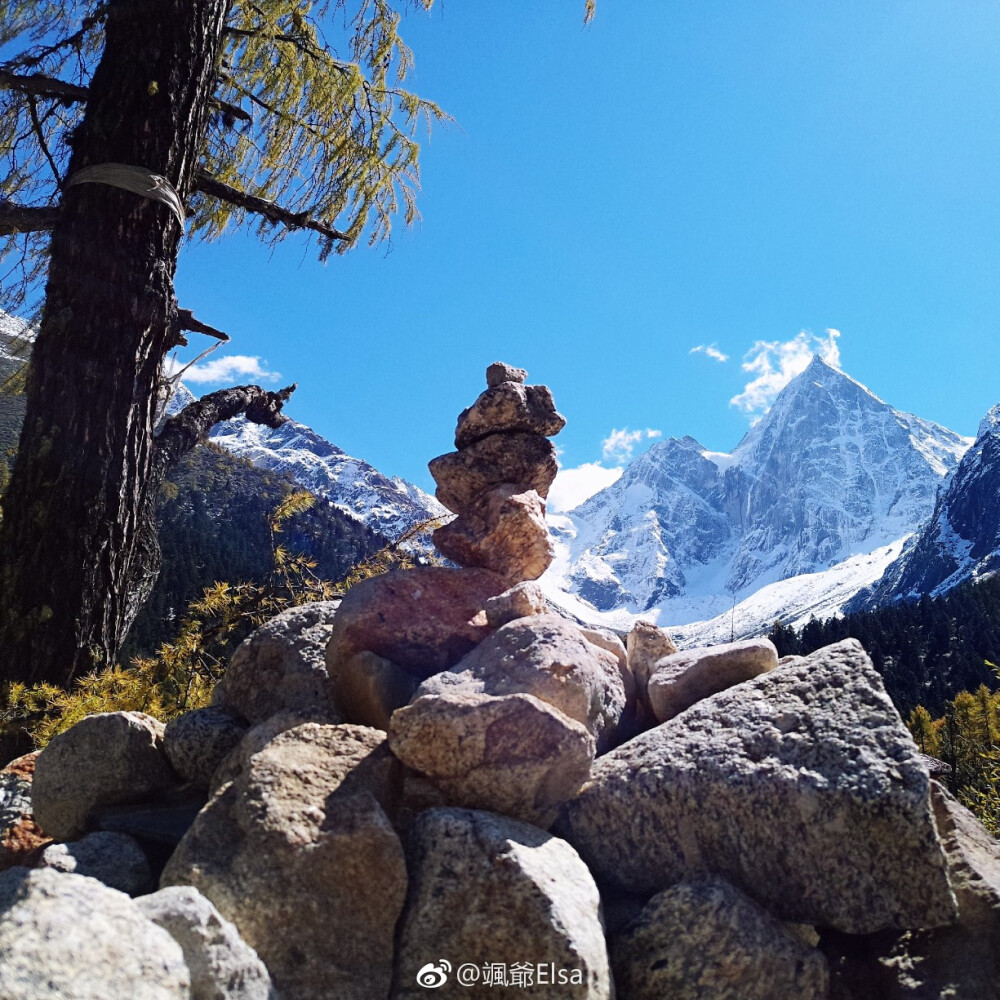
(776, 363)
(573, 486)
(710, 351)
(235, 368)
(619, 444)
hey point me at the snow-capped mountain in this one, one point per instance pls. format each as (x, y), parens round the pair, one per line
(826, 484)
(15, 334)
(389, 506)
(962, 539)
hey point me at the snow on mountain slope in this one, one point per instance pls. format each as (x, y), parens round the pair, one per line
(826, 484)
(962, 539)
(387, 505)
(390, 506)
(14, 335)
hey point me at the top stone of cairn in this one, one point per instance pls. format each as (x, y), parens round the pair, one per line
(499, 372)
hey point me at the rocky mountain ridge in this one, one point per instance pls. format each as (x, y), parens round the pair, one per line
(387, 505)
(961, 540)
(810, 507)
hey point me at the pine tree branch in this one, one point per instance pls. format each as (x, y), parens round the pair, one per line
(71, 41)
(36, 126)
(26, 219)
(299, 43)
(233, 111)
(38, 85)
(186, 320)
(207, 184)
(182, 432)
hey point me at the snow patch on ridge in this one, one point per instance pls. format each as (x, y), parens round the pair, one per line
(389, 505)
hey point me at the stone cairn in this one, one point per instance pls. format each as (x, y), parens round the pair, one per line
(439, 783)
(500, 525)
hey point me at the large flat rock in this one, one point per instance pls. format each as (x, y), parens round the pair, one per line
(526, 459)
(802, 787)
(424, 619)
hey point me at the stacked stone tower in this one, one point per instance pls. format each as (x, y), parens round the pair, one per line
(498, 479)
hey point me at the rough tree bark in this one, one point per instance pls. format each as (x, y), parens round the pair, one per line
(72, 518)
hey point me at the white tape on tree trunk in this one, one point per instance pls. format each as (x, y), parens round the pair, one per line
(138, 180)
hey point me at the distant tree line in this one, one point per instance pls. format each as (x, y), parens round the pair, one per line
(214, 526)
(938, 658)
(926, 650)
(965, 737)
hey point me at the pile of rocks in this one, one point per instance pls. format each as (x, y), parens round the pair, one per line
(440, 783)
(497, 480)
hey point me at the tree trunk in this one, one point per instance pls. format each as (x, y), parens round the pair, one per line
(179, 435)
(72, 516)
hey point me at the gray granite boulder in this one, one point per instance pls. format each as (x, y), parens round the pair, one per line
(196, 743)
(801, 787)
(610, 641)
(490, 893)
(222, 965)
(66, 937)
(299, 853)
(257, 737)
(960, 962)
(368, 688)
(708, 941)
(116, 859)
(105, 759)
(645, 645)
(969, 952)
(15, 790)
(682, 679)
(280, 666)
(514, 754)
(547, 657)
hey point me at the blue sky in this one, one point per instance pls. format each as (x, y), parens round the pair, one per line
(737, 176)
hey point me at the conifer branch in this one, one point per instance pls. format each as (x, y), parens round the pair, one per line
(301, 44)
(182, 432)
(71, 41)
(186, 321)
(36, 126)
(26, 219)
(38, 85)
(214, 188)
(231, 110)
